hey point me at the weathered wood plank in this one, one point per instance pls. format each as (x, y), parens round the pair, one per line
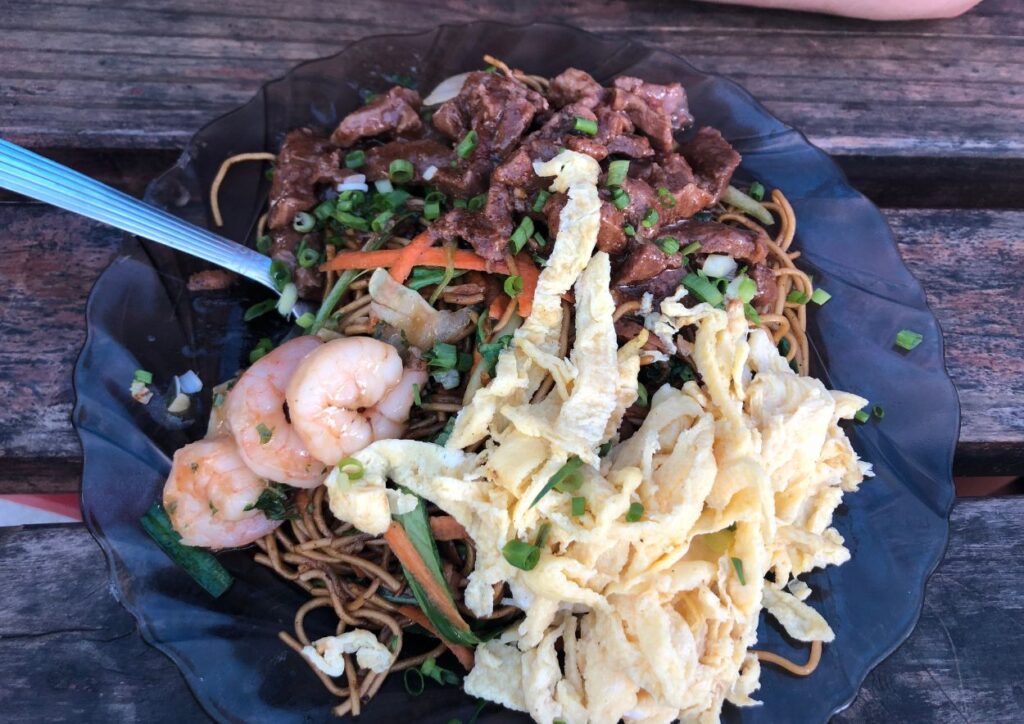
(147, 75)
(965, 260)
(959, 664)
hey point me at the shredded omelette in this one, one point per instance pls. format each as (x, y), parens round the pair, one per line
(739, 477)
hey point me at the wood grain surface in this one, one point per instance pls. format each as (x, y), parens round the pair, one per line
(108, 73)
(66, 643)
(52, 258)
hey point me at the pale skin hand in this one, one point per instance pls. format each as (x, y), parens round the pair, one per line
(868, 9)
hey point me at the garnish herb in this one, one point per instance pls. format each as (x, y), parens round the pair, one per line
(650, 218)
(355, 159)
(201, 565)
(262, 347)
(401, 171)
(306, 320)
(641, 394)
(275, 503)
(908, 339)
(572, 465)
(265, 433)
(542, 534)
(620, 199)
(878, 411)
(538, 203)
(667, 199)
(691, 247)
(351, 467)
(756, 191)
(797, 297)
(263, 244)
(584, 125)
(579, 506)
(513, 285)
(143, 376)
(635, 512)
(521, 555)
(280, 274)
(416, 394)
(259, 309)
(521, 234)
(738, 565)
(861, 416)
(820, 296)
(703, 289)
(617, 171)
(467, 145)
(668, 245)
(303, 222)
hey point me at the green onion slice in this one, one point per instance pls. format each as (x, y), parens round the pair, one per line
(538, 203)
(572, 465)
(820, 296)
(635, 512)
(259, 309)
(143, 376)
(667, 199)
(303, 222)
(691, 247)
(264, 243)
(878, 411)
(908, 339)
(416, 400)
(579, 506)
(280, 274)
(513, 285)
(650, 218)
(351, 467)
(521, 234)
(306, 320)
(861, 416)
(401, 171)
(467, 145)
(641, 394)
(738, 565)
(355, 159)
(521, 555)
(584, 125)
(703, 289)
(797, 297)
(756, 191)
(620, 199)
(201, 565)
(668, 245)
(617, 172)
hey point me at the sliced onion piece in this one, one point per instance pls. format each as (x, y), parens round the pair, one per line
(719, 266)
(383, 186)
(446, 90)
(429, 173)
(356, 182)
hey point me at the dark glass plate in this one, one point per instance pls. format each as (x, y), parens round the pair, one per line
(140, 314)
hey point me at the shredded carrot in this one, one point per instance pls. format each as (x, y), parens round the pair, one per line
(408, 256)
(409, 557)
(463, 653)
(530, 274)
(498, 306)
(432, 256)
(445, 527)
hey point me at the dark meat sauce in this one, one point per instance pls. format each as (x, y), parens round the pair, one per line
(478, 149)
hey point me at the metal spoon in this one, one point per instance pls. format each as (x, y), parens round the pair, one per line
(32, 175)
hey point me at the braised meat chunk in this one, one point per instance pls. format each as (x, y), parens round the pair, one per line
(306, 161)
(395, 112)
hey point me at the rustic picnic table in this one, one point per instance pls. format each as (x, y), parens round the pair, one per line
(927, 119)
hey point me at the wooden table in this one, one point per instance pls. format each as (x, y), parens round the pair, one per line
(927, 118)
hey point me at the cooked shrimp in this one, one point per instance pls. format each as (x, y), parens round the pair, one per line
(207, 493)
(255, 413)
(348, 393)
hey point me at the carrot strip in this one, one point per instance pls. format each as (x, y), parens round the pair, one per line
(407, 257)
(530, 274)
(445, 527)
(432, 256)
(463, 653)
(409, 557)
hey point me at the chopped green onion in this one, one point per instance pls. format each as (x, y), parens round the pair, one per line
(650, 218)
(306, 320)
(668, 245)
(691, 247)
(513, 285)
(908, 339)
(416, 400)
(218, 399)
(539, 238)
(352, 221)
(747, 290)
(400, 171)
(521, 234)
(289, 296)
(275, 503)
(446, 432)
(477, 202)
(571, 466)
(355, 468)
(431, 210)
(878, 411)
(395, 198)
(751, 313)
(259, 309)
(756, 191)
(605, 448)
(820, 296)
(418, 682)
(667, 199)
(861, 416)
(617, 171)
(308, 257)
(734, 197)
(797, 297)
(261, 348)
(280, 274)
(641, 394)
(345, 279)
(521, 555)
(459, 203)
(570, 483)
(423, 276)
(325, 210)
(435, 196)
(542, 534)
(200, 564)
(579, 506)
(443, 356)
(629, 230)
(264, 243)
(143, 376)
(635, 512)
(265, 433)
(584, 125)
(703, 289)
(738, 565)
(303, 222)
(620, 199)
(467, 145)
(538, 203)
(380, 221)
(355, 159)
